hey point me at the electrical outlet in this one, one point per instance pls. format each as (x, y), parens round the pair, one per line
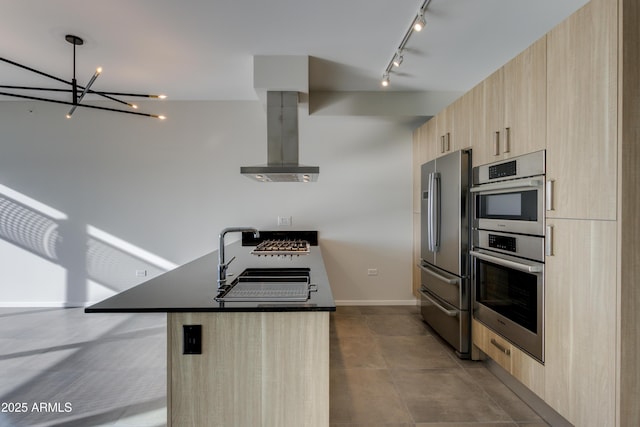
(284, 221)
(192, 339)
(372, 272)
(141, 273)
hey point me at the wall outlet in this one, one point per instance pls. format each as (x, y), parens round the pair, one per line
(372, 272)
(284, 221)
(141, 273)
(192, 339)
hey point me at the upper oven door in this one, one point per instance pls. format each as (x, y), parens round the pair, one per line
(513, 206)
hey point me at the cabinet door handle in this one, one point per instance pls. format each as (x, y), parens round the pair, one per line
(507, 141)
(448, 141)
(548, 241)
(442, 144)
(496, 143)
(500, 347)
(549, 195)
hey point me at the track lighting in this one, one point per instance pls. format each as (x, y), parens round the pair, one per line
(76, 98)
(397, 60)
(420, 23)
(417, 24)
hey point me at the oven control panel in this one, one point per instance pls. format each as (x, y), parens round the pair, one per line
(503, 170)
(517, 245)
(506, 243)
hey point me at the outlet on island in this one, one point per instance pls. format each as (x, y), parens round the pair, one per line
(284, 221)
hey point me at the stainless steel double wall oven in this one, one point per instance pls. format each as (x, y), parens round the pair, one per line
(507, 256)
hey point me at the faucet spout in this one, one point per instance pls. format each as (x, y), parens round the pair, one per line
(222, 264)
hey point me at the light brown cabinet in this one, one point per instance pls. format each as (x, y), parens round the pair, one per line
(515, 107)
(580, 321)
(582, 113)
(513, 360)
(446, 130)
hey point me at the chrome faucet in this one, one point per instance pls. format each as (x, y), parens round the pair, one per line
(222, 265)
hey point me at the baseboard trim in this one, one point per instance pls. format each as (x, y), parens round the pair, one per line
(377, 302)
(545, 411)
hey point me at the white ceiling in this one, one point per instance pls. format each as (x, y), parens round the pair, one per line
(203, 49)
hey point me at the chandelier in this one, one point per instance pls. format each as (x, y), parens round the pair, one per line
(77, 91)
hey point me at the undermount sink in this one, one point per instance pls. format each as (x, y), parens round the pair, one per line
(269, 274)
(269, 284)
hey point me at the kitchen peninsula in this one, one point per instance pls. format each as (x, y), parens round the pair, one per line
(252, 363)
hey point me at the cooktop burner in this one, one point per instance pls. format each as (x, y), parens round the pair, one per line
(281, 242)
(282, 247)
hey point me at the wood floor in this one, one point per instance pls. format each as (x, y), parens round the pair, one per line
(62, 367)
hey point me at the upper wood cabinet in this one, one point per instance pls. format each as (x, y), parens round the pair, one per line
(582, 113)
(515, 107)
(446, 130)
(469, 118)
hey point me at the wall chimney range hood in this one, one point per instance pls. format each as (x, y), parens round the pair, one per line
(282, 143)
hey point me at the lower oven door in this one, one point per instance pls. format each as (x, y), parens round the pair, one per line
(451, 323)
(509, 298)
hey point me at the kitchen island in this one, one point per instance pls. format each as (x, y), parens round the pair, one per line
(252, 363)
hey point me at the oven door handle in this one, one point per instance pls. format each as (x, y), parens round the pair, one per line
(438, 275)
(450, 313)
(508, 185)
(507, 263)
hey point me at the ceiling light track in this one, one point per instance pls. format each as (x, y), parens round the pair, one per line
(417, 24)
(76, 98)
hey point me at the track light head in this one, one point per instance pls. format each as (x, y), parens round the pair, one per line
(420, 22)
(385, 79)
(397, 60)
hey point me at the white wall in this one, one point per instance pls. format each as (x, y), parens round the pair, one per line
(86, 202)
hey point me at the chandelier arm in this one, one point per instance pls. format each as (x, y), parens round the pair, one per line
(49, 89)
(137, 95)
(35, 71)
(57, 101)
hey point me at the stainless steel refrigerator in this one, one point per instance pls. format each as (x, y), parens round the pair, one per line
(445, 292)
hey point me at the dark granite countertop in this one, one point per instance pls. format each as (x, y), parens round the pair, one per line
(192, 287)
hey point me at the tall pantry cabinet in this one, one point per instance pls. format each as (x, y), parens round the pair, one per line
(591, 131)
(580, 266)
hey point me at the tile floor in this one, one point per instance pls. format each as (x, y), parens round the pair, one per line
(388, 369)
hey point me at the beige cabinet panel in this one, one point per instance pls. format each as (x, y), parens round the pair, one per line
(515, 107)
(469, 118)
(428, 137)
(582, 113)
(492, 344)
(446, 130)
(416, 254)
(525, 98)
(485, 150)
(580, 321)
(528, 371)
(257, 369)
(519, 364)
(416, 169)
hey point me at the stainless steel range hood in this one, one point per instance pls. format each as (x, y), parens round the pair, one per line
(282, 143)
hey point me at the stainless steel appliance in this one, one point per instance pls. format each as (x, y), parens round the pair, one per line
(508, 277)
(508, 250)
(509, 195)
(445, 285)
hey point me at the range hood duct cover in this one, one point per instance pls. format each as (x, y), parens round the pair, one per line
(282, 143)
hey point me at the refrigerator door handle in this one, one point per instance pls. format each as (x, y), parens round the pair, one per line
(436, 212)
(430, 213)
(439, 276)
(450, 313)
